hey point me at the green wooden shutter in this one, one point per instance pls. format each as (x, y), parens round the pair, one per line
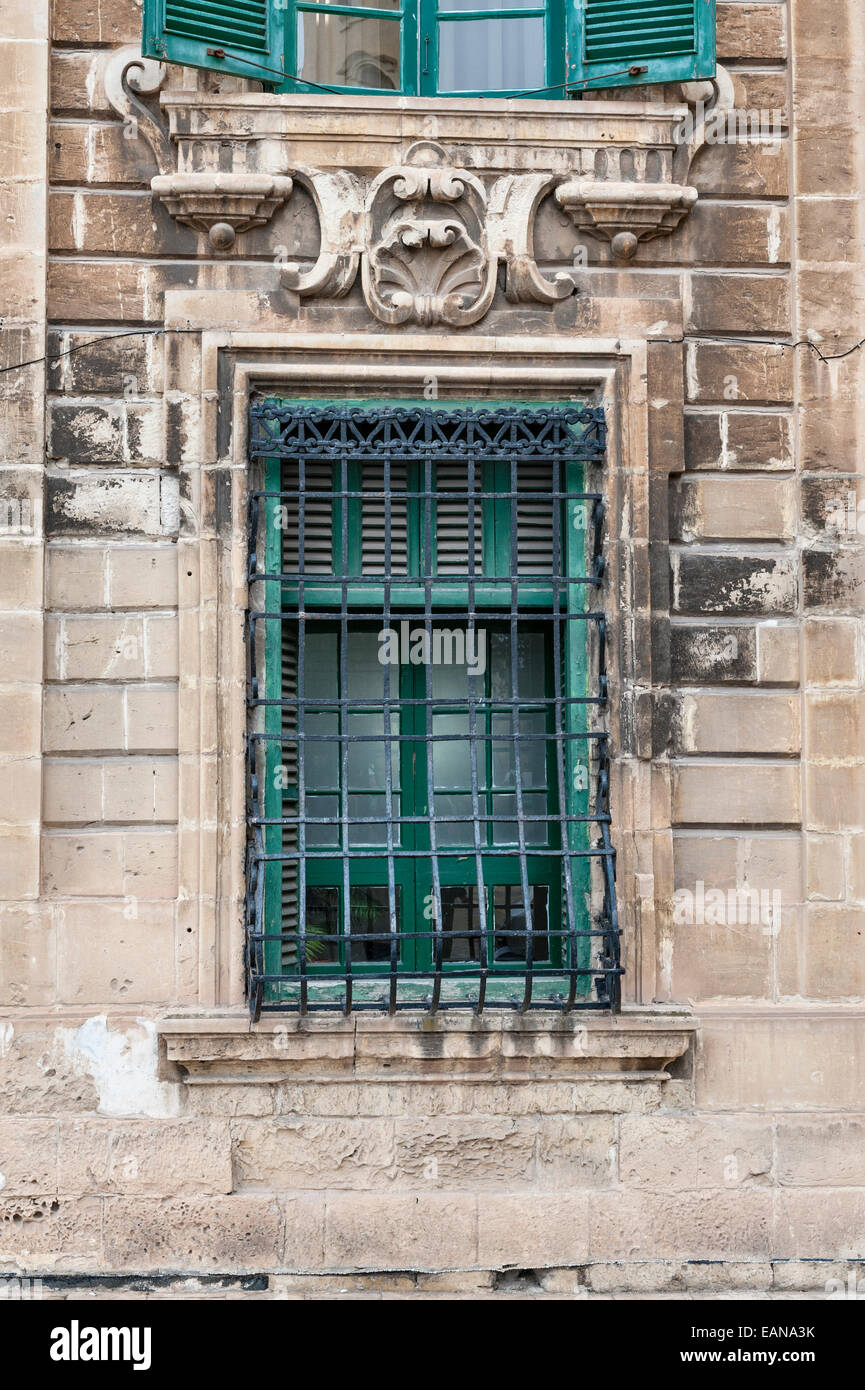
(617, 43)
(239, 36)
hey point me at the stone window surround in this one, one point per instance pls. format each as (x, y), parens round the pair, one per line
(211, 560)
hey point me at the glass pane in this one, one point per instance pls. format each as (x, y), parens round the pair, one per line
(323, 808)
(491, 55)
(364, 671)
(457, 653)
(366, 761)
(451, 757)
(450, 833)
(370, 916)
(322, 919)
(363, 806)
(321, 759)
(348, 50)
(511, 929)
(531, 672)
(461, 926)
(320, 666)
(533, 764)
(505, 831)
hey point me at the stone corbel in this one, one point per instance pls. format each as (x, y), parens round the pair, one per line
(127, 78)
(628, 211)
(514, 202)
(708, 104)
(221, 205)
(339, 203)
(625, 213)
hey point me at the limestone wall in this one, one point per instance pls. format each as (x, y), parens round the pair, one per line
(748, 1148)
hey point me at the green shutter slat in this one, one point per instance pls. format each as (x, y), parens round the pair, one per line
(232, 25)
(668, 41)
(634, 29)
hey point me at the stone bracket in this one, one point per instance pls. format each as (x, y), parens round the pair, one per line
(221, 205)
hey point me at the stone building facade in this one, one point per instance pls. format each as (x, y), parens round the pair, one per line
(710, 1135)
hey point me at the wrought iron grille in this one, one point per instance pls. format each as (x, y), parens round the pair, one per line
(428, 768)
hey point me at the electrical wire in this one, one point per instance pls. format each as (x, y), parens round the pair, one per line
(155, 332)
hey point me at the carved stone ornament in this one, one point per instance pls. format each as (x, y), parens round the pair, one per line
(428, 260)
(427, 232)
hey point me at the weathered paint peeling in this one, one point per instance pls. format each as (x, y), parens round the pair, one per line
(122, 1063)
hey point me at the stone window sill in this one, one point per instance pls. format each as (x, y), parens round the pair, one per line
(633, 1046)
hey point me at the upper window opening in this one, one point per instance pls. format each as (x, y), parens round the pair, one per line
(540, 48)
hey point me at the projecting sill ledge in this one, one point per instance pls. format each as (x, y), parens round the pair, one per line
(635, 1045)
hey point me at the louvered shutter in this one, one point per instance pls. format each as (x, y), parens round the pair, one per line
(614, 43)
(197, 32)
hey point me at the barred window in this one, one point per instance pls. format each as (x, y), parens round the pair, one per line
(427, 769)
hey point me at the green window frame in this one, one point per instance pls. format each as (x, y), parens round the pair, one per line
(587, 43)
(480, 842)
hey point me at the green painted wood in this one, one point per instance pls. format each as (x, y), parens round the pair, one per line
(663, 40)
(413, 876)
(182, 31)
(578, 771)
(273, 794)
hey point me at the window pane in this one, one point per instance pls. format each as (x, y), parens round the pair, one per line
(462, 5)
(322, 758)
(530, 665)
(320, 666)
(373, 806)
(533, 750)
(370, 915)
(451, 758)
(453, 834)
(364, 671)
(348, 50)
(491, 55)
(323, 808)
(535, 831)
(322, 919)
(511, 926)
(460, 924)
(366, 760)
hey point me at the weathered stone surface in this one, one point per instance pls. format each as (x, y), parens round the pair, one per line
(711, 1224)
(736, 794)
(694, 1153)
(733, 440)
(51, 1232)
(143, 1158)
(709, 509)
(534, 1231)
(326, 1153)
(819, 1151)
(738, 585)
(368, 1230)
(225, 1233)
(28, 1157)
(712, 654)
